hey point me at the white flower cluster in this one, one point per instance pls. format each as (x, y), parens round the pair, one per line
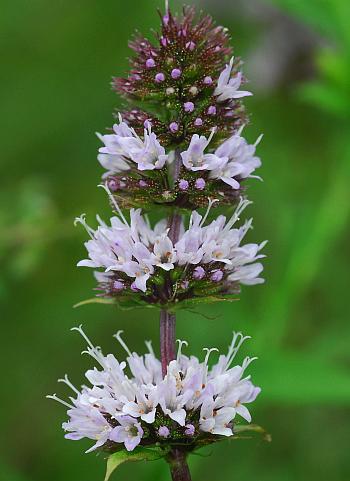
(136, 249)
(191, 399)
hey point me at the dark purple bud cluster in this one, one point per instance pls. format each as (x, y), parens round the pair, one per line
(178, 73)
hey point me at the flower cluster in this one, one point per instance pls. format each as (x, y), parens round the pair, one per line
(191, 403)
(184, 72)
(139, 170)
(138, 260)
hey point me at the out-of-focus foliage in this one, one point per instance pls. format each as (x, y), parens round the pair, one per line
(58, 58)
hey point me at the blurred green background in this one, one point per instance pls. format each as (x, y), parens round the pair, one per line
(57, 61)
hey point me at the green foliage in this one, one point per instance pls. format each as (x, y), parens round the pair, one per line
(152, 453)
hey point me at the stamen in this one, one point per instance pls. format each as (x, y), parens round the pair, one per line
(55, 398)
(81, 220)
(149, 347)
(166, 6)
(105, 187)
(209, 351)
(121, 342)
(241, 206)
(258, 140)
(181, 343)
(213, 132)
(233, 349)
(82, 333)
(65, 380)
(211, 202)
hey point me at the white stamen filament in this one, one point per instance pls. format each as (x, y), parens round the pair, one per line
(55, 398)
(81, 220)
(240, 208)
(65, 380)
(211, 202)
(181, 343)
(120, 213)
(121, 342)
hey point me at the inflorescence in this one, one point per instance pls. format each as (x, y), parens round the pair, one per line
(130, 403)
(139, 261)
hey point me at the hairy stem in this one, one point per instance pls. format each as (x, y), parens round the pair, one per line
(178, 465)
(167, 338)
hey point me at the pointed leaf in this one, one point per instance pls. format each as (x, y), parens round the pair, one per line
(138, 454)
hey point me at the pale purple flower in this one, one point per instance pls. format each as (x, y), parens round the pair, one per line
(176, 73)
(238, 160)
(142, 183)
(227, 87)
(129, 432)
(124, 148)
(194, 157)
(207, 80)
(212, 110)
(198, 122)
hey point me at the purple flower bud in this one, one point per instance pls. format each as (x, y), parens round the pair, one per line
(190, 45)
(174, 127)
(176, 73)
(208, 81)
(190, 430)
(150, 63)
(183, 184)
(118, 285)
(200, 184)
(160, 77)
(147, 123)
(212, 110)
(217, 275)
(113, 185)
(163, 432)
(164, 41)
(134, 288)
(166, 19)
(198, 273)
(198, 122)
(143, 183)
(189, 106)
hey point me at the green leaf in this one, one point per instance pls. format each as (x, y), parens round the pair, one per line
(95, 300)
(138, 454)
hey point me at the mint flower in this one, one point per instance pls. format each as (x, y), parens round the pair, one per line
(130, 403)
(140, 260)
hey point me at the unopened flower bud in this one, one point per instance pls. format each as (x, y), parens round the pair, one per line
(198, 122)
(189, 106)
(183, 184)
(163, 432)
(208, 81)
(176, 73)
(160, 77)
(190, 430)
(198, 273)
(150, 63)
(200, 184)
(174, 127)
(217, 275)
